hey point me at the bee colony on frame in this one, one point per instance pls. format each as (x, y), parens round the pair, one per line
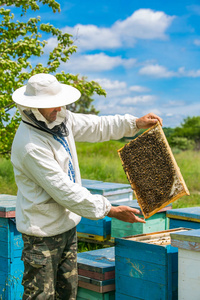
(152, 171)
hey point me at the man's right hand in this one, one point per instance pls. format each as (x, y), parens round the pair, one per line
(125, 213)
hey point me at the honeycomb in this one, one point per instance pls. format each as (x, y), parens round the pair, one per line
(152, 171)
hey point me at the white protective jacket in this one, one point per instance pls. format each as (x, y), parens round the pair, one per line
(49, 202)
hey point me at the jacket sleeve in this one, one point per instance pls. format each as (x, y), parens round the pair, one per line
(92, 128)
(48, 177)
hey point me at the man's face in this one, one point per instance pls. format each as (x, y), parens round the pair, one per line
(50, 114)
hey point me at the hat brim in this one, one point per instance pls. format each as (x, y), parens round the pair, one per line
(67, 95)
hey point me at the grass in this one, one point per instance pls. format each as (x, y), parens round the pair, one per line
(7, 180)
(100, 161)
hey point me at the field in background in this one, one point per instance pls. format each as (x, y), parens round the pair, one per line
(100, 161)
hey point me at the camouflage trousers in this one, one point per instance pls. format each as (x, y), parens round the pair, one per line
(50, 267)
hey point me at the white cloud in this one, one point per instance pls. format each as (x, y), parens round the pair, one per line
(139, 89)
(114, 89)
(89, 37)
(162, 72)
(96, 63)
(197, 42)
(156, 71)
(139, 99)
(111, 85)
(118, 88)
(142, 24)
(191, 73)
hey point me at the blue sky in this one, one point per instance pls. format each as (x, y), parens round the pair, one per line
(146, 54)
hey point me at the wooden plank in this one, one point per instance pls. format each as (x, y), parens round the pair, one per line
(7, 214)
(135, 250)
(119, 296)
(93, 237)
(191, 246)
(187, 213)
(95, 227)
(97, 275)
(100, 261)
(141, 269)
(189, 235)
(189, 274)
(96, 282)
(10, 238)
(96, 288)
(162, 233)
(140, 288)
(7, 206)
(175, 223)
(122, 229)
(155, 223)
(91, 295)
(107, 188)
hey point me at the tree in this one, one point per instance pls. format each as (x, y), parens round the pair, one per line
(20, 42)
(190, 130)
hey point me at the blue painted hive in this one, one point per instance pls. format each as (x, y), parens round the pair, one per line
(100, 230)
(11, 244)
(146, 267)
(156, 222)
(96, 271)
(188, 217)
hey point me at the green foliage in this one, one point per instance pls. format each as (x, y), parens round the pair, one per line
(85, 246)
(182, 143)
(7, 180)
(20, 42)
(168, 131)
(189, 130)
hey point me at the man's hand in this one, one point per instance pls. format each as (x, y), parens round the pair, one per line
(148, 121)
(125, 213)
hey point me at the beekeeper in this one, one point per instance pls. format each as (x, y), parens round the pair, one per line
(50, 198)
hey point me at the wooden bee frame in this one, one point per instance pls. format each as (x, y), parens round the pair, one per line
(152, 171)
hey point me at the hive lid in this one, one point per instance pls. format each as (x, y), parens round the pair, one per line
(101, 260)
(152, 171)
(105, 188)
(186, 213)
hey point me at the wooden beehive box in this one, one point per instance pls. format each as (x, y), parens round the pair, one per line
(11, 245)
(188, 217)
(152, 171)
(146, 267)
(157, 222)
(111, 190)
(100, 230)
(188, 244)
(96, 271)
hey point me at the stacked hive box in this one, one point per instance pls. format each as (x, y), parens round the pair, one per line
(100, 230)
(96, 271)
(188, 244)
(157, 222)
(11, 244)
(188, 217)
(146, 267)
